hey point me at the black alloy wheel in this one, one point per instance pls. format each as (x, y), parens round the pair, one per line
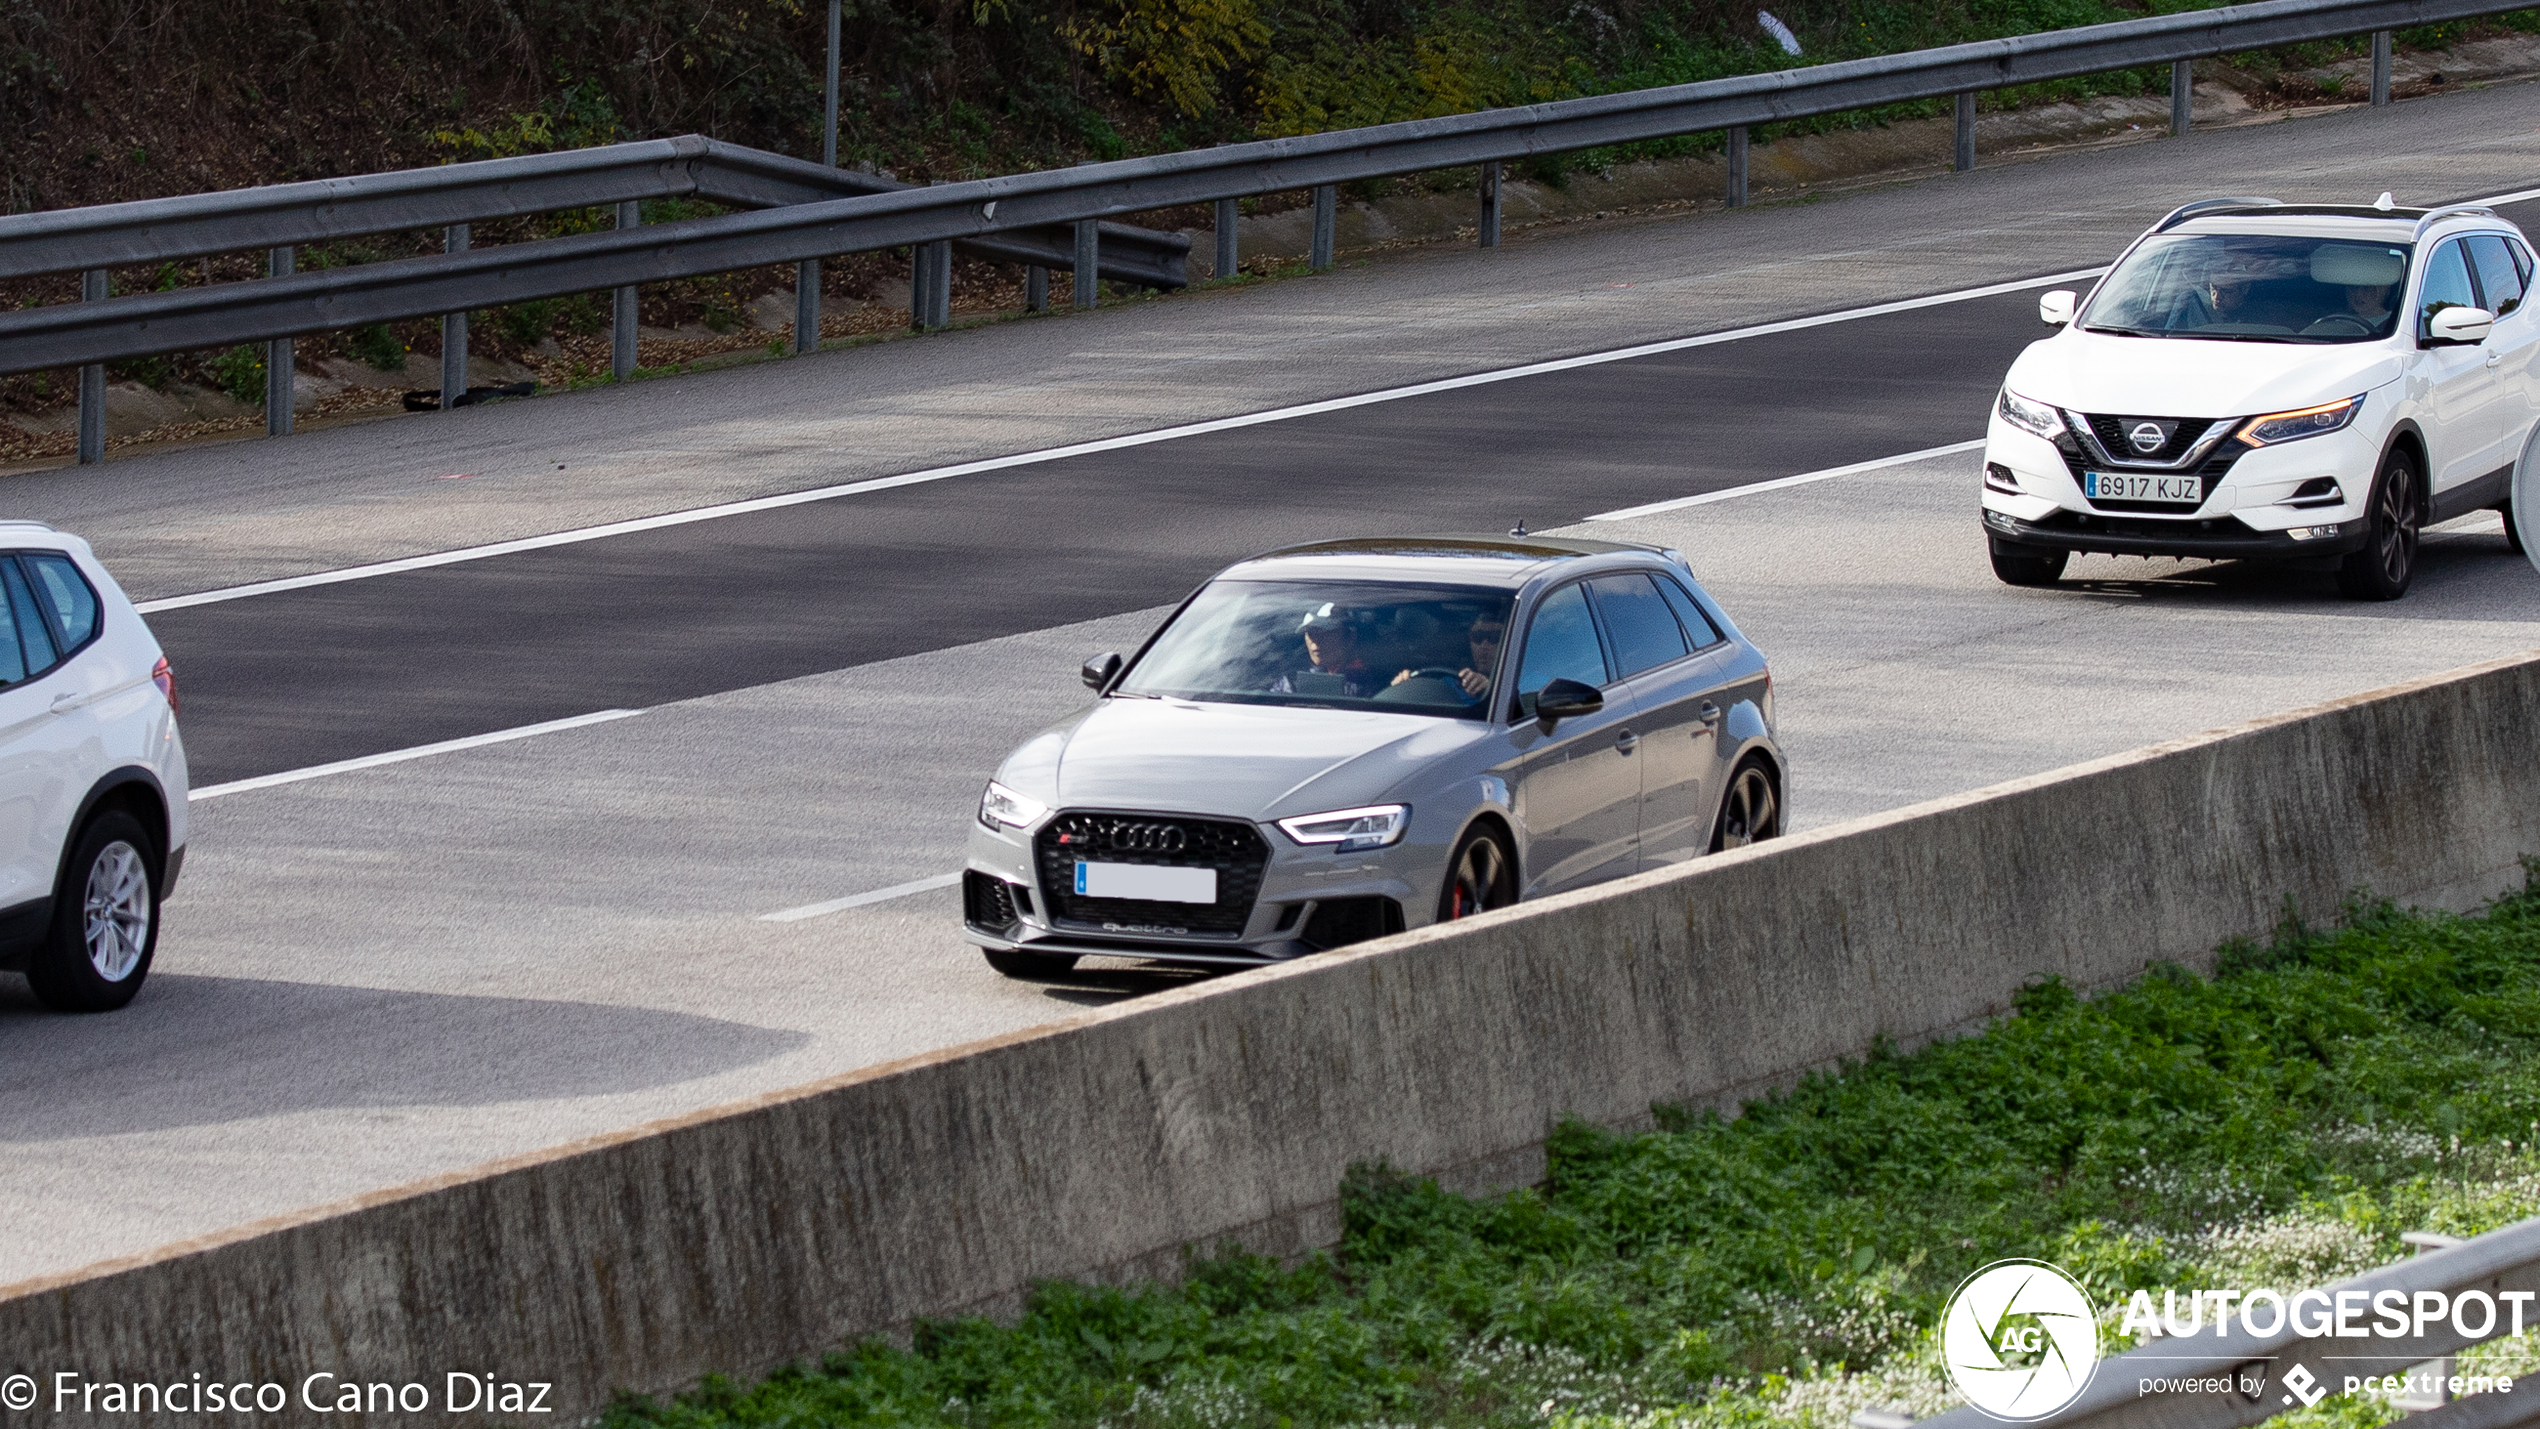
(1751, 813)
(1480, 877)
(2382, 569)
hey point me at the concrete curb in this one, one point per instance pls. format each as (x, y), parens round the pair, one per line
(772, 1229)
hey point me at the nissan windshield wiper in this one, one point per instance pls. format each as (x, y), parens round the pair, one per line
(2124, 331)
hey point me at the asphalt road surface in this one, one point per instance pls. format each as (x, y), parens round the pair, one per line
(333, 672)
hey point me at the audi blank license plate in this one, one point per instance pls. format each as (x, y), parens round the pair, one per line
(2123, 486)
(1150, 882)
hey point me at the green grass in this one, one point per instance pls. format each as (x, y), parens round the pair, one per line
(2280, 1123)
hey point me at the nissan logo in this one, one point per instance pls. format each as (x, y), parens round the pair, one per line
(2148, 437)
(1147, 838)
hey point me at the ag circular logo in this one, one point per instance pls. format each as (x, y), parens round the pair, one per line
(2020, 1340)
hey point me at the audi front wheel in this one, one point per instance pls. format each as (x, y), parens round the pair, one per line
(1481, 876)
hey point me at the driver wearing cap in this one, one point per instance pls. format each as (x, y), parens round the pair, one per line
(1338, 664)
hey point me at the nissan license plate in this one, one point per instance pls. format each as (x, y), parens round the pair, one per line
(1153, 883)
(2125, 486)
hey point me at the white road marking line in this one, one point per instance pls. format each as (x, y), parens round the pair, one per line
(1777, 483)
(1107, 444)
(400, 756)
(859, 900)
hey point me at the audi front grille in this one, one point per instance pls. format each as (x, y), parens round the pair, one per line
(1235, 850)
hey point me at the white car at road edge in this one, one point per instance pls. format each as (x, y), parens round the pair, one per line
(92, 775)
(2304, 383)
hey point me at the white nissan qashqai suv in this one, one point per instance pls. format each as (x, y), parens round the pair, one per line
(2307, 383)
(92, 775)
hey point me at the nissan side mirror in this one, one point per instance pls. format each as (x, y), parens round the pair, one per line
(1564, 698)
(2055, 309)
(1098, 671)
(2460, 326)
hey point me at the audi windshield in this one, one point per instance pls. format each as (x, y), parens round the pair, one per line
(1404, 649)
(2252, 287)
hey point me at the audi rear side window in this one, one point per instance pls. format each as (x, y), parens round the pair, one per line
(1698, 625)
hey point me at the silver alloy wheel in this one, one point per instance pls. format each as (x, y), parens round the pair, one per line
(1479, 875)
(1750, 813)
(118, 911)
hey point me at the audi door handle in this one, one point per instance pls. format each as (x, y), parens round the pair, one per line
(1626, 741)
(1710, 714)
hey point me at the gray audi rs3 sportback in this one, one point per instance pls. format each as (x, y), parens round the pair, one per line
(1341, 740)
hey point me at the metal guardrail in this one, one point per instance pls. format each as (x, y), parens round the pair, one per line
(2507, 1259)
(123, 235)
(1024, 208)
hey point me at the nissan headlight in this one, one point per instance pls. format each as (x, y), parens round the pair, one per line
(1001, 805)
(2030, 416)
(2292, 426)
(1350, 830)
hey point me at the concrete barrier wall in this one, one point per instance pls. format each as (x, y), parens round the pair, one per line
(1096, 1148)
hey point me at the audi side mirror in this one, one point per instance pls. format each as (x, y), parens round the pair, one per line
(2055, 309)
(1098, 671)
(1564, 698)
(2460, 326)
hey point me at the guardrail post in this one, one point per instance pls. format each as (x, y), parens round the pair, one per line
(1966, 157)
(1490, 205)
(92, 382)
(453, 332)
(1036, 288)
(1737, 166)
(1227, 261)
(2182, 96)
(278, 374)
(806, 306)
(939, 270)
(1088, 263)
(2380, 67)
(1327, 204)
(622, 307)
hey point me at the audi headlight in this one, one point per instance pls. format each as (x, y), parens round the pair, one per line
(1351, 829)
(1001, 805)
(2306, 422)
(2030, 416)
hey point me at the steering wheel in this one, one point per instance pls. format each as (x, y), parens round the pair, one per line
(2350, 323)
(1433, 672)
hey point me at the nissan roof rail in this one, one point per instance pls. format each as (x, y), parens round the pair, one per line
(2452, 210)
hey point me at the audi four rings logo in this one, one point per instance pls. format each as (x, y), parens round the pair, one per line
(1147, 838)
(2148, 437)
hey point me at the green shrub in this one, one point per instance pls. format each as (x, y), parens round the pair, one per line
(240, 372)
(379, 347)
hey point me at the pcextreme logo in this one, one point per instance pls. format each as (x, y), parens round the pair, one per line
(2020, 1339)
